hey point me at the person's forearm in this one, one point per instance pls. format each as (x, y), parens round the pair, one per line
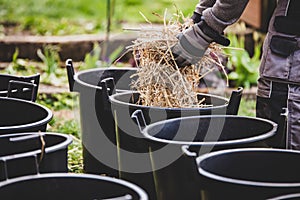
(221, 13)
(203, 4)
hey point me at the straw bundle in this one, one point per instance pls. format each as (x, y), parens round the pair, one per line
(159, 81)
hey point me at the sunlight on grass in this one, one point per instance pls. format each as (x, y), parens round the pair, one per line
(247, 107)
(60, 17)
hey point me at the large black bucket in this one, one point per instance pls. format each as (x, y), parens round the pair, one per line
(22, 116)
(175, 143)
(133, 152)
(97, 122)
(28, 153)
(249, 173)
(22, 87)
(69, 186)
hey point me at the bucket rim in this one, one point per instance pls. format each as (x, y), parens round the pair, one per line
(286, 196)
(215, 143)
(81, 82)
(202, 158)
(28, 125)
(141, 192)
(113, 99)
(68, 140)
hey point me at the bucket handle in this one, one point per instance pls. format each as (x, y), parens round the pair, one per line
(125, 197)
(22, 90)
(25, 137)
(70, 73)
(108, 85)
(32, 136)
(108, 88)
(234, 101)
(284, 115)
(24, 155)
(140, 119)
(187, 152)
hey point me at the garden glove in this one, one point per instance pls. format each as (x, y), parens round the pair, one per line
(193, 42)
(196, 17)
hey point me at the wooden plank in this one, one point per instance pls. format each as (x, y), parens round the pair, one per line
(252, 15)
(72, 46)
(258, 13)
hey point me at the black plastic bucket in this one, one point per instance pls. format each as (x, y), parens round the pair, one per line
(22, 87)
(175, 143)
(22, 116)
(69, 186)
(134, 161)
(96, 116)
(28, 153)
(249, 173)
(124, 105)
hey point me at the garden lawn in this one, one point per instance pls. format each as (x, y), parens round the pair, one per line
(60, 17)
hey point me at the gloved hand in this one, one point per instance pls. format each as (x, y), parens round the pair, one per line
(196, 17)
(193, 42)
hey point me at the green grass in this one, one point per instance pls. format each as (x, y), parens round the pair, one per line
(60, 17)
(247, 107)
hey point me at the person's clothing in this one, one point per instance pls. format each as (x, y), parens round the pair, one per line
(274, 100)
(274, 66)
(279, 82)
(219, 14)
(270, 106)
(210, 19)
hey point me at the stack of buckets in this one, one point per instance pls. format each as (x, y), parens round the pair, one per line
(173, 153)
(33, 162)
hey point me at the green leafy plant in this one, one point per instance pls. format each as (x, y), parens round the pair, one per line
(68, 126)
(93, 59)
(19, 66)
(50, 58)
(52, 74)
(75, 157)
(244, 69)
(58, 101)
(15, 65)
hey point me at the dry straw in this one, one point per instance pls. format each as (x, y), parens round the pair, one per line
(159, 80)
